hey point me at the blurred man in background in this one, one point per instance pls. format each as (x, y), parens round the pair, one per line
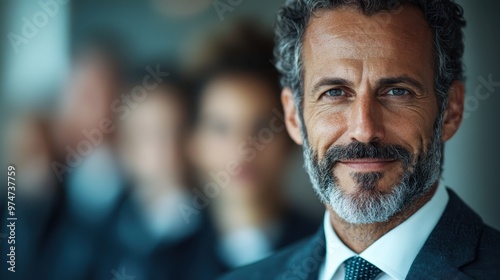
(85, 129)
(85, 164)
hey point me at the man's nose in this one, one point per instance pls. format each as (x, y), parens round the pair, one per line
(365, 120)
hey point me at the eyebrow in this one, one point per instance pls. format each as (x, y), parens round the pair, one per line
(401, 80)
(335, 81)
(330, 81)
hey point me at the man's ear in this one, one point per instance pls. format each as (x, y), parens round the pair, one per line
(454, 112)
(292, 120)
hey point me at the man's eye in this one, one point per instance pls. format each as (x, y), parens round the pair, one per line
(336, 92)
(398, 92)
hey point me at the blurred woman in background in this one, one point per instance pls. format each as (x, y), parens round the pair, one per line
(240, 139)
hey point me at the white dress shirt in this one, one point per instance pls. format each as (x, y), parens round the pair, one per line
(247, 245)
(394, 252)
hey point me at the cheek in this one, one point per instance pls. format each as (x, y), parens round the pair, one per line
(324, 129)
(150, 157)
(413, 130)
(214, 153)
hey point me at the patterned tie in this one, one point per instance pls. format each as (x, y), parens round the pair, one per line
(357, 268)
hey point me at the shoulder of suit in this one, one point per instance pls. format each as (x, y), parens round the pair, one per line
(471, 240)
(489, 245)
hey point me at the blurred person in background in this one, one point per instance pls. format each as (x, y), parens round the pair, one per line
(148, 237)
(30, 147)
(85, 132)
(240, 143)
(86, 164)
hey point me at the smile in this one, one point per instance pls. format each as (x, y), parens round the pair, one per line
(368, 164)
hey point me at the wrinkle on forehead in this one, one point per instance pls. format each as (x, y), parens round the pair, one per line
(357, 36)
(346, 42)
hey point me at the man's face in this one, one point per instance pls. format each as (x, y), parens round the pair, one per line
(369, 111)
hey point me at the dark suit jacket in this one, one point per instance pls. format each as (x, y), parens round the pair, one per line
(193, 257)
(461, 246)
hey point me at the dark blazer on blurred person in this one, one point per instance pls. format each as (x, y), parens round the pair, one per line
(129, 249)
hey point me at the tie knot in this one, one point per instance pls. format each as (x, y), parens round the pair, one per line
(357, 268)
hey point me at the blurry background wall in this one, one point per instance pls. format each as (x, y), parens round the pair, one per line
(471, 157)
(155, 28)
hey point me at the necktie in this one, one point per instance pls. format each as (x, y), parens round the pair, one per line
(357, 268)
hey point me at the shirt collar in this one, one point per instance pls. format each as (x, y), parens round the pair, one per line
(395, 251)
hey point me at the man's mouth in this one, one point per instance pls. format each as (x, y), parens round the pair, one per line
(368, 164)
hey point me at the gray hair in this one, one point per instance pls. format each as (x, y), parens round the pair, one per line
(445, 18)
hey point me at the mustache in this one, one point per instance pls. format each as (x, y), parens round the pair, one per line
(375, 150)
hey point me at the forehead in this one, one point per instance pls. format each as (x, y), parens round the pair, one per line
(239, 94)
(160, 107)
(403, 38)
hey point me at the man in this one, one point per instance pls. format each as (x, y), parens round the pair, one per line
(372, 90)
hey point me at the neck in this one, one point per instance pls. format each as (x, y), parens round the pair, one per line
(230, 215)
(358, 237)
(149, 192)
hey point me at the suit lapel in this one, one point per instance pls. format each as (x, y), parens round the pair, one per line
(452, 243)
(306, 262)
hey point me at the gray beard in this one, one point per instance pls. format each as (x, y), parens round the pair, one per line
(367, 205)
